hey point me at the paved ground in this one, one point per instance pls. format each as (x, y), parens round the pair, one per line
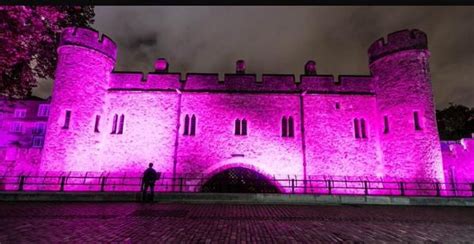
(199, 223)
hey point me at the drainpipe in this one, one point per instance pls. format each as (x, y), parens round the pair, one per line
(175, 156)
(303, 139)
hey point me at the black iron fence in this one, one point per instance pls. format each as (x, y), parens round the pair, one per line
(318, 185)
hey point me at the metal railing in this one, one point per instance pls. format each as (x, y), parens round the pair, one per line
(318, 185)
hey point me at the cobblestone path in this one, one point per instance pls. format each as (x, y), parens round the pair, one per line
(207, 223)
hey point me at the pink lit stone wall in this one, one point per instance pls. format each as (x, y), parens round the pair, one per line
(154, 106)
(331, 146)
(85, 62)
(400, 67)
(215, 147)
(148, 135)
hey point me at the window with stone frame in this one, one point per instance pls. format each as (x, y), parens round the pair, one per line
(287, 127)
(67, 119)
(189, 125)
(114, 124)
(20, 113)
(240, 127)
(37, 141)
(16, 127)
(40, 128)
(360, 128)
(43, 110)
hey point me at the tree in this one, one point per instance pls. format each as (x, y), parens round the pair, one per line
(29, 36)
(455, 122)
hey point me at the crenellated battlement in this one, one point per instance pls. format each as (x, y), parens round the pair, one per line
(241, 82)
(89, 38)
(151, 81)
(396, 42)
(343, 84)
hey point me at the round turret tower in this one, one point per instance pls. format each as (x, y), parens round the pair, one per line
(408, 133)
(85, 62)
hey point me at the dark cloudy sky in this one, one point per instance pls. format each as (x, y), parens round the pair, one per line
(281, 39)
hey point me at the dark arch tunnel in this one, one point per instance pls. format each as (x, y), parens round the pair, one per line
(239, 180)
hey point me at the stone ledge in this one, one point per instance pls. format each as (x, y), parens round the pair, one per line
(233, 198)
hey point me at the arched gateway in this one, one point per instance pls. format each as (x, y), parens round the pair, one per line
(239, 180)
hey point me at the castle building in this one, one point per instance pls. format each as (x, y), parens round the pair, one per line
(380, 125)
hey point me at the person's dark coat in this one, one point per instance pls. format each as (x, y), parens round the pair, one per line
(150, 176)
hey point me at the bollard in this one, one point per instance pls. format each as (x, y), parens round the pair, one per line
(402, 190)
(329, 187)
(305, 186)
(102, 184)
(180, 184)
(366, 188)
(293, 186)
(63, 180)
(22, 182)
(438, 190)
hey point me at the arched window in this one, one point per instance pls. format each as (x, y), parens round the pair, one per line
(356, 128)
(186, 125)
(193, 125)
(114, 124)
(291, 128)
(362, 128)
(244, 127)
(237, 127)
(284, 127)
(122, 118)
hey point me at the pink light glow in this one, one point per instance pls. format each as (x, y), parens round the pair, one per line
(154, 107)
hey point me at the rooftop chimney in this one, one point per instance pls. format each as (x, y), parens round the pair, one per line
(161, 65)
(240, 67)
(310, 68)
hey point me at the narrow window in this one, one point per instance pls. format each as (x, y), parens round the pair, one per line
(244, 127)
(114, 124)
(283, 127)
(40, 128)
(43, 110)
(96, 126)
(186, 125)
(237, 127)
(362, 128)
(20, 113)
(291, 132)
(385, 123)
(37, 141)
(193, 126)
(67, 119)
(417, 121)
(16, 127)
(356, 128)
(122, 118)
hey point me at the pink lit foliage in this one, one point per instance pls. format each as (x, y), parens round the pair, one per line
(29, 33)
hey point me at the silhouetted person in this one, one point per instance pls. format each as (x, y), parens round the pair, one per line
(149, 178)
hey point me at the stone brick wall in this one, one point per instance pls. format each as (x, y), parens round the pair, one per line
(154, 107)
(80, 86)
(403, 87)
(215, 146)
(331, 146)
(458, 160)
(148, 135)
